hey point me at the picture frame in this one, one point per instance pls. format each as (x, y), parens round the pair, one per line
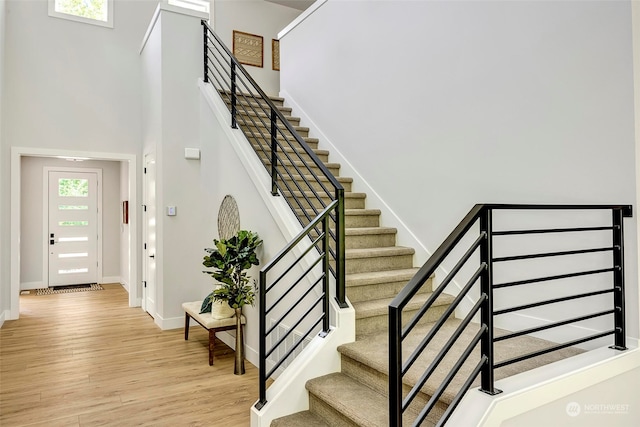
(275, 55)
(248, 48)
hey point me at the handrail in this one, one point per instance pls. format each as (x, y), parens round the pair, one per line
(481, 215)
(315, 196)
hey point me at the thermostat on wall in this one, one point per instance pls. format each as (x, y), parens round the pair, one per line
(171, 210)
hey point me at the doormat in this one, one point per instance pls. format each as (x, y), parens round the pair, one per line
(68, 289)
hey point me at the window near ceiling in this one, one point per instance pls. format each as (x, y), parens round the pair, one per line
(96, 12)
(199, 5)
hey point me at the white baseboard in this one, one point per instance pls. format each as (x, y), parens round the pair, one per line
(26, 286)
(3, 315)
(110, 279)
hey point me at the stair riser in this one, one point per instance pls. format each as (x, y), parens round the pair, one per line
(378, 291)
(328, 413)
(376, 324)
(380, 382)
(379, 263)
(350, 221)
(363, 241)
(355, 221)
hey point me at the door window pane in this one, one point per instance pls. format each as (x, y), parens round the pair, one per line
(73, 207)
(73, 187)
(73, 223)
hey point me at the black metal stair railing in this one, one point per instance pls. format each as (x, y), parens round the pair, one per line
(482, 362)
(312, 192)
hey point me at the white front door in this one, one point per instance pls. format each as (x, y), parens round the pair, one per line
(72, 237)
(149, 246)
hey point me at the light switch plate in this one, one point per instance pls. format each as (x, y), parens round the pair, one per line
(171, 210)
(192, 153)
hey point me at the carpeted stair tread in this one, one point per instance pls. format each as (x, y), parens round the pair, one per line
(298, 151)
(377, 252)
(304, 418)
(372, 212)
(376, 277)
(301, 164)
(380, 307)
(341, 179)
(372, 351)
(311, 195)
(361, 231)
(358, 403)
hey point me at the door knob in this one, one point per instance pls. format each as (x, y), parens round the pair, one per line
(152, 256)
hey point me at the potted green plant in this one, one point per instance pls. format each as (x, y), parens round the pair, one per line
(230, 259)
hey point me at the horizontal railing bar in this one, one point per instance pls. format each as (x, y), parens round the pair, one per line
(550, 349)
(550, 230)
(626, 209)
(447, 380)
(293, 306)
(299, 237)
(293, 285)
(434, 261)
(547, 278)
(445, 282)
(463, 389)
(552, 325)
(551, 254)
(294, 264)
(295, 325)
(551, 301)
(445, 316)
(287, 354)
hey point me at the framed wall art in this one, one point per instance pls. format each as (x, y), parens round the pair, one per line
(248, 48)
(275, 54)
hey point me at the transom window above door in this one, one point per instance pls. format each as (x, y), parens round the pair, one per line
(96, 12)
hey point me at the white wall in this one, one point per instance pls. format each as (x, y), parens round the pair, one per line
(255, 17)
(31, 235)
(469, 102)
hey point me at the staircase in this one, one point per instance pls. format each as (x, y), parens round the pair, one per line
(376, 270)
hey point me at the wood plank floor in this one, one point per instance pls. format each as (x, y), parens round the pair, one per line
(87, 359)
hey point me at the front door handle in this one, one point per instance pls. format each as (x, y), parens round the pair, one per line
(152, 256)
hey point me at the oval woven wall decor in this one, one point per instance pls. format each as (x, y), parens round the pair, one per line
(228, 218)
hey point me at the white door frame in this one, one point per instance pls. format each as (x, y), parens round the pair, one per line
(16, 155)
(145, 239)
(45, 217)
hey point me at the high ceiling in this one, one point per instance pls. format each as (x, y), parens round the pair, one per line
(296, 4)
